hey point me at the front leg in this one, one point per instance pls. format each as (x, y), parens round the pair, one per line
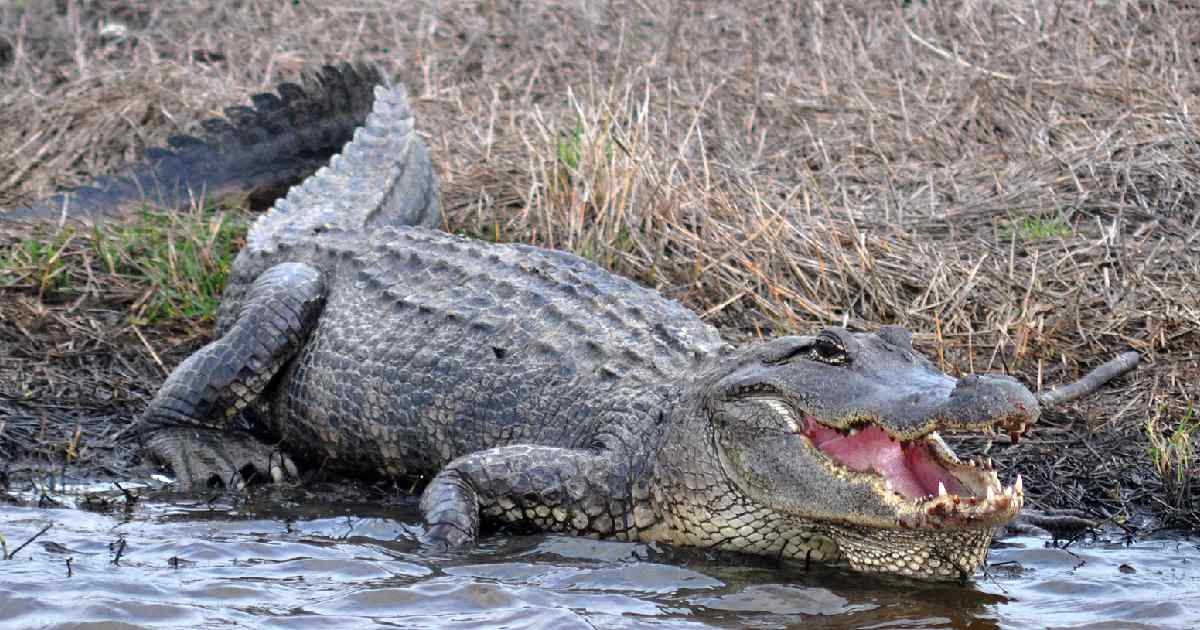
(540, 488)
(187, 425)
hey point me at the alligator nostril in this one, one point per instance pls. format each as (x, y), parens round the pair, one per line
(970, 380)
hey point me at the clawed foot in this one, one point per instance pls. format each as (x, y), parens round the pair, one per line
(207, 458)
(445, 537)
(451, 510)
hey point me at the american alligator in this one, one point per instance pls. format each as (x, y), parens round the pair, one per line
(254, 152)
(532, 389)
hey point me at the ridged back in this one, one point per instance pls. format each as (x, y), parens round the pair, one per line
(424, 333)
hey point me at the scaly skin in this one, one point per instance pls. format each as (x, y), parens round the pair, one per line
(536, 390)
(254, 152)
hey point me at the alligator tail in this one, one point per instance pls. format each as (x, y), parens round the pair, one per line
(256, 152)
(382, 178)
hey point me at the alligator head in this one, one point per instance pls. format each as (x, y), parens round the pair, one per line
(828, 446)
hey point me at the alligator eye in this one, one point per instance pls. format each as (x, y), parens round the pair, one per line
(827, 350)
(824, 349)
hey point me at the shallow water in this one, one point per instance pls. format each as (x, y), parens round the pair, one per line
(282, 565)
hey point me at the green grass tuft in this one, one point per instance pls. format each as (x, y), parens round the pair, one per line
(184, 258)
(569, 149)
(40, 259)
(173, 266)
(1173, 452)
(1036, 228)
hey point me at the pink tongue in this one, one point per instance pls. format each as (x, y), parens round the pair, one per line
(911, 470)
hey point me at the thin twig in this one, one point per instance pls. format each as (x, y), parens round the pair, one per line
(153, 354)
(955, 58)
(120, 545)
(33, 538)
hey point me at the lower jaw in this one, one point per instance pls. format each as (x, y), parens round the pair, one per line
(922, 554)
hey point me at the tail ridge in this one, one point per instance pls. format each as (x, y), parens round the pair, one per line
(383, 177)
(257, 150)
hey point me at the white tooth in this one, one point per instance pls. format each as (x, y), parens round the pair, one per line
(1019, 487)
(852, 431)
(941, 489)
(989, 463)
(1008, 492)
(887, 485)
(781, 409)
(991, 495)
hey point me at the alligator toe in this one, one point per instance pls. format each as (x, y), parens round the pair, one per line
(206, 458)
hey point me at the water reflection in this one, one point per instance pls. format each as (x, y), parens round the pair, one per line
(291, 565)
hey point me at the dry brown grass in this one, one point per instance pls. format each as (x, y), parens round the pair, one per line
(1014, 182)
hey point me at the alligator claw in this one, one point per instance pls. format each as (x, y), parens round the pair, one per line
(201, 457)
(446, 537)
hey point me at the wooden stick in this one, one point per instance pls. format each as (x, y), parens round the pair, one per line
(35, 537)
(1091, 381)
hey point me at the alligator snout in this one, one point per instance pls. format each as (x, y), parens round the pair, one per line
(989, 401)
(988, 380)
(966, 382)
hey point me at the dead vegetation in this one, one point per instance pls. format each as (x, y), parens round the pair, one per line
(1014, 182)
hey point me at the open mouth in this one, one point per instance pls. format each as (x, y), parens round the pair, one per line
(920, 477)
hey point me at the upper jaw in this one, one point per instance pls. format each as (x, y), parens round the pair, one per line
(911, 410)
